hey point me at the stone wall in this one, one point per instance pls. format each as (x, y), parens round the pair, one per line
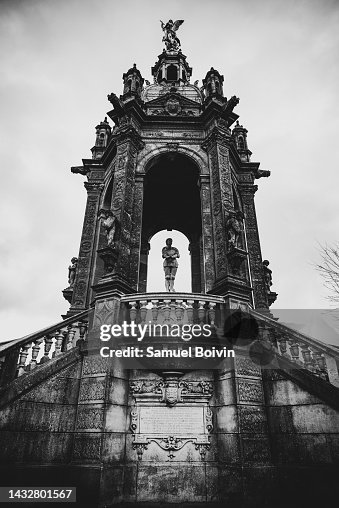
(274, 443)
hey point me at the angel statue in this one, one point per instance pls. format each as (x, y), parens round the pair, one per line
(170, 39)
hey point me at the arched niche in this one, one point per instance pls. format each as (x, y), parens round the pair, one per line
(155, 273)
(172, 202)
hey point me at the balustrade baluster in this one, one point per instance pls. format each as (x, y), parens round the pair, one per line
(35, 353)
(189, 311)
(143, 311)
(201, 312)
(282, 344)
(320, 364)
(71, 330)
(167, 311)
(179, 311)
(294, 350)
(23, 358)
(82, 330)
(133, 311)
(48, 341)
(155, 311)
(59, 342)
(306, 354)
(211, 313)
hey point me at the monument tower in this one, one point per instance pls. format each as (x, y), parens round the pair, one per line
(242, 432)
(176, 158)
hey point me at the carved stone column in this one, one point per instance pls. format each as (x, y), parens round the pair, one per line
(197, 276)
(136, 231)
(253, 246)
(81, 296)
(207, 232)
(128, 144)
(221, 196)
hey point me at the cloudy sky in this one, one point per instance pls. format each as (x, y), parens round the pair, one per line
(60, 59)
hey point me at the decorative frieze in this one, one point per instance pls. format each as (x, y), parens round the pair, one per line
(92, 389)
(249, 391)
(245, 367)
(95, 365)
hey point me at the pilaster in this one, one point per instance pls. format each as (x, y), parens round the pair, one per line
(83, 273)
(254, 252)
(221, 195)
(128, 143)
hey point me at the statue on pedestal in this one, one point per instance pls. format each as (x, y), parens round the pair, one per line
(170, 255)
(72, 271)
(267, 275)
(170, 38)
(109, 222)
(234, 229)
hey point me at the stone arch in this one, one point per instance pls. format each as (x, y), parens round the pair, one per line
(200, 159)
(172, 200)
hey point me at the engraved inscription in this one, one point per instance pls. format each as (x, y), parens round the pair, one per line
(172, 420)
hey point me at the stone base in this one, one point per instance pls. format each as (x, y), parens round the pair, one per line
(111, 284)
(271, 297)
(67, 294)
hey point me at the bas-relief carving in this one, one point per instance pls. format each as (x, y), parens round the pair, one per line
(87, 447)
(260, 295)
(90, 418)
(249, 391)
(82, 275)
(245, 367)
(171, 390)
(44, 393)
(105, 312)
(92, 389)
(95, 365)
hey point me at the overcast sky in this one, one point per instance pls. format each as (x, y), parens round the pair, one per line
(60, 59)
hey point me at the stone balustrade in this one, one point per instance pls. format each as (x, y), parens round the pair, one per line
(305, 352)
(23, 355)
(173, 308)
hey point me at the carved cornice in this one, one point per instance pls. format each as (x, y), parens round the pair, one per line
(79, 170)
(248, 188)
(93, 187)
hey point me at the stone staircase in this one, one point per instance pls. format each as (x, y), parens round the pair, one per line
(63, 410)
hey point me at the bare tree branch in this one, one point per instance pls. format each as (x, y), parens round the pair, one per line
(329, 269)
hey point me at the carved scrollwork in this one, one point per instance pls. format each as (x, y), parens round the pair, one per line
(146, 387)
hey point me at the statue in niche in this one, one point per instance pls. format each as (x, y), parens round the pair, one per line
(234, 229)
(170, 38)
(267, 275)
(72, 271)
(170, 255)
(109, 222)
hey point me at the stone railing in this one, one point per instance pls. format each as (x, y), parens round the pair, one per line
(305, 352)
(173, 308)
(21, 356)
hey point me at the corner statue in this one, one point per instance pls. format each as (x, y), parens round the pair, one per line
(170, 264)
(170, 38)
